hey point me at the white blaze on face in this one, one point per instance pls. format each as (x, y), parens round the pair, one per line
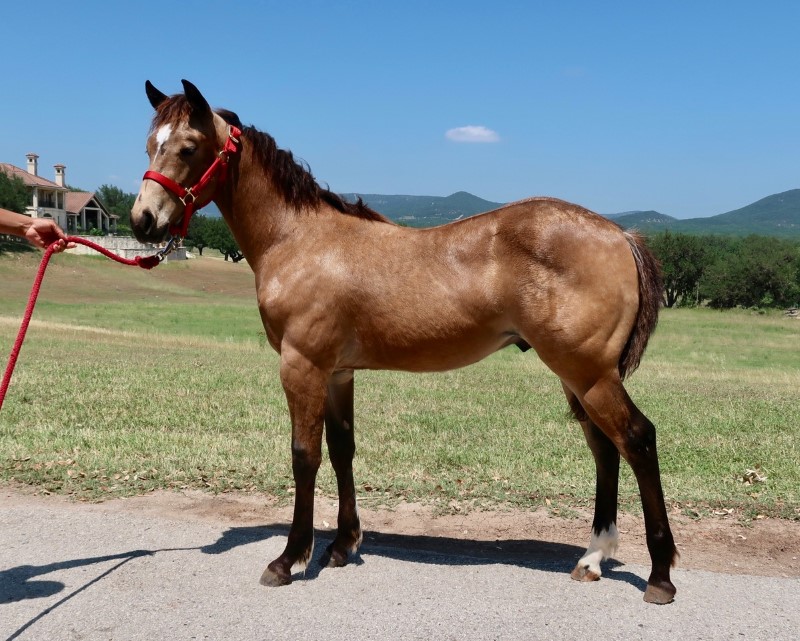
(162, 135)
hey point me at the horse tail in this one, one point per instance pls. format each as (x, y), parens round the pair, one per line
(650, 297)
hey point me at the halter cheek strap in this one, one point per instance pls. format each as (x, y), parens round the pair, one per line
(188, 197)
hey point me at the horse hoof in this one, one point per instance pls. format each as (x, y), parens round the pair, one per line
(333, 558)
(660, 594)
(273, 579)
(584, 574)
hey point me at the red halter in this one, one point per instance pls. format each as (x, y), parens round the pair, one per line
(188, 196)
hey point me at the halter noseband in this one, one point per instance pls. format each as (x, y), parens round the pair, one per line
(188, 197)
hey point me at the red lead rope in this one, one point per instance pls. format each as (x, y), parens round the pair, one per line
(146, 262)
(187, 197)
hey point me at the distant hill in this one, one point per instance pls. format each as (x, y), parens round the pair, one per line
(426, 211)
(777, 215)
(414, 211)
(642, 219)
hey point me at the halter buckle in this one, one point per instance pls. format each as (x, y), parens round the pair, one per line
(188, 193)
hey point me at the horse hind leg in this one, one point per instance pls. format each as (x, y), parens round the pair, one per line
(604, 538)
(608, 405)
(340, 438)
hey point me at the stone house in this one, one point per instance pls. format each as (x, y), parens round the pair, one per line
(74, 211)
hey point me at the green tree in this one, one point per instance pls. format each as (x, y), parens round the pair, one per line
(219, 236)
(196, 235)
(754, 272)
(13, 193)
(683, 260)
(117, 202)
(206, 231)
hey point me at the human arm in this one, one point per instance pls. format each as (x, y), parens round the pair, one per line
(40, 232)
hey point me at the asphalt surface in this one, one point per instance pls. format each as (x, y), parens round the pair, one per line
(72, 571)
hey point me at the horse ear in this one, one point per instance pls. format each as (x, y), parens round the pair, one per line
(196, 100)
(154, 95)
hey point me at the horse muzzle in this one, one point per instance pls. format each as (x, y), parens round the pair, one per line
(148, 224)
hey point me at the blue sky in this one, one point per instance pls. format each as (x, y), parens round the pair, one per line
(689, 108)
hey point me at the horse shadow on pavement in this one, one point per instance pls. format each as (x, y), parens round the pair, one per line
(21, 582)
(437, 550)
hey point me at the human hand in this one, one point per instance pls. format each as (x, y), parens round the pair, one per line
(43, 232)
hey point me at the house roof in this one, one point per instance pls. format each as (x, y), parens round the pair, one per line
(29, 179)
(77, 200)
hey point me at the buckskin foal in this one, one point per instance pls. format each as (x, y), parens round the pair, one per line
(340, 288)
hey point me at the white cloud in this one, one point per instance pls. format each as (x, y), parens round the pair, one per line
(472, 133)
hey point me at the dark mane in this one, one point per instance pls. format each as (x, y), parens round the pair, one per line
(293, 180)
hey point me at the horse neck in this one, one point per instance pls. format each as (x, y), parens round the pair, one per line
(253, 209)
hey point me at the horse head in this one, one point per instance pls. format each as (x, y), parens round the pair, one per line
(187, 139)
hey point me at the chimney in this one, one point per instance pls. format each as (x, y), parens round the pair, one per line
(61, 175)
(33, 164)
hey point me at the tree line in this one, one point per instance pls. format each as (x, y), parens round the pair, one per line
(725, 272)
(13, 193)
(207, 231)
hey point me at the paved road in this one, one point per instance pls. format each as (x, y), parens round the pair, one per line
(92, 573)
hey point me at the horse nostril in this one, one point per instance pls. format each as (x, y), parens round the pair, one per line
(148, 221)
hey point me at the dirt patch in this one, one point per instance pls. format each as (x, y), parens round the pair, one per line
(766, 547)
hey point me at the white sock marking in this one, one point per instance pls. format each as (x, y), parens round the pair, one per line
(602, 546)
(302, 563)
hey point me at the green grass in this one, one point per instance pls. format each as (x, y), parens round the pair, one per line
(180, 391)
(723, 389)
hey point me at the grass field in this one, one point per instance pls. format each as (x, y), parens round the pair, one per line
(133, 380)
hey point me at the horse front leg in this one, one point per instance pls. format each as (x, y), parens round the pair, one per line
(305, 388)
(341, 447)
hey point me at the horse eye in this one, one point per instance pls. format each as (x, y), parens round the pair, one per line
(188, 151)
